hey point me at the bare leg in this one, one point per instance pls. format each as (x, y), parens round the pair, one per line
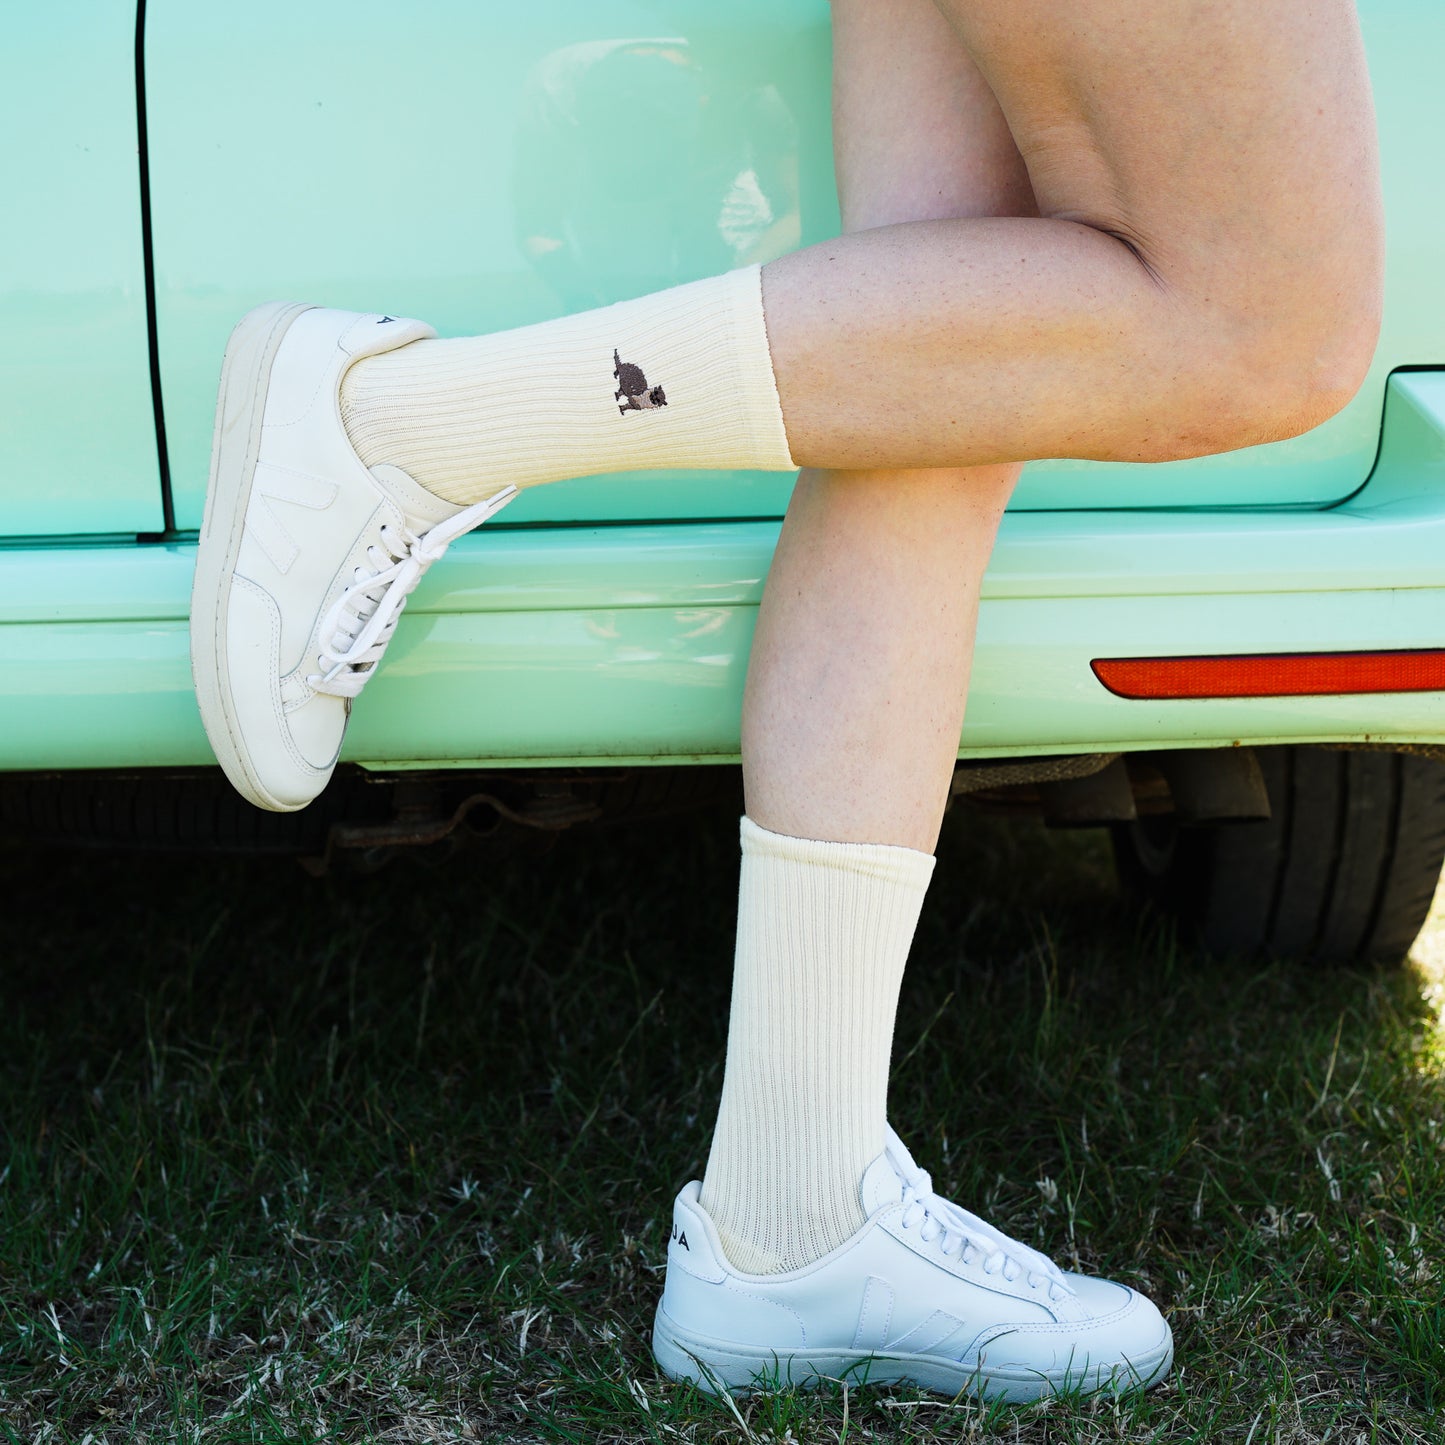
(1029, 336)
(1204, 273)
(854, 701)
(860, 663)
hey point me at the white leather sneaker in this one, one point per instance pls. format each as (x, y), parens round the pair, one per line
(924, 1292)
(306, 556)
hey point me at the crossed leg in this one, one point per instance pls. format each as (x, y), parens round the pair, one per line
(855, 694)
(1205, 274)
(1063, 236)
(1058, 241)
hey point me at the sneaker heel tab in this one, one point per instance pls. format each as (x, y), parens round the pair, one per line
(377, 332)
(693, 1244)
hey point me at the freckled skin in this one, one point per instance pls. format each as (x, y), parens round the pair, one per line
(1131, 266)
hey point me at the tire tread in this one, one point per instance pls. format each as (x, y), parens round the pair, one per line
(1345, 869)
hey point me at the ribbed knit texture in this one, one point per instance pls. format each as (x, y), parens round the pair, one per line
(466, 417)
(824, 930)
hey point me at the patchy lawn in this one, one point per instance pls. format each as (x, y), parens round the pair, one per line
(392, 1157)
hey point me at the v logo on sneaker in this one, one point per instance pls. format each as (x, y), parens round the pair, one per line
(266, 526)
(875, 1322)
(929, 1336)
(875, 1315)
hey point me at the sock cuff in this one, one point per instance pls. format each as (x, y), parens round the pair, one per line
(823, 934)
(753, 367)
(884, 862)
(715, 336)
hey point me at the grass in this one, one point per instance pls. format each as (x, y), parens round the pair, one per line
(391, 1158)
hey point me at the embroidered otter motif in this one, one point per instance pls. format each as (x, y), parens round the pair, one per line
(632, 384)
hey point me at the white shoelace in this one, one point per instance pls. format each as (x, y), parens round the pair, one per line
(958, 1233)
(362, 620)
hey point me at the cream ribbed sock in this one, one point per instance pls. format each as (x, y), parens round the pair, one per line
(469, 416)
(823, 933)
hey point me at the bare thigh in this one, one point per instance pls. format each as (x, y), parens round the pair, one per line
(1230, 145)
(917, 132)
(1203, 271)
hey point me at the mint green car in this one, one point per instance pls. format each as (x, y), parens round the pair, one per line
(587, 652)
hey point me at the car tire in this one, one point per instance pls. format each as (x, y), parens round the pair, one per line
(1344, 869)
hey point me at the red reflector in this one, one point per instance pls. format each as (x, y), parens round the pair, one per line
(1285, 674)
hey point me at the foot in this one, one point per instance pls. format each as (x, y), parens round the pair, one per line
(306, 556)
(925, 1292)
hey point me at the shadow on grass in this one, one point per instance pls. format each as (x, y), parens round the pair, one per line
(393, 1156)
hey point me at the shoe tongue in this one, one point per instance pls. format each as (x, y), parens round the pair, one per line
(903, 1161)
(882, 1185)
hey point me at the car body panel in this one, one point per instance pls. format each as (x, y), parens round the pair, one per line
(481, 167)
(484, 167)
(624, 636)
(529, 645)
(77, 434)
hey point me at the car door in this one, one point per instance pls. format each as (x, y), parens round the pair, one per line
(480, 166)
(484, 166)
(77, 431)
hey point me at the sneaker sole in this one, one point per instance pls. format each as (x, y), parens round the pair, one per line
(240, 405)
(716, 1366)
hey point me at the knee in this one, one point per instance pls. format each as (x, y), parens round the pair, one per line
(1269, 379)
